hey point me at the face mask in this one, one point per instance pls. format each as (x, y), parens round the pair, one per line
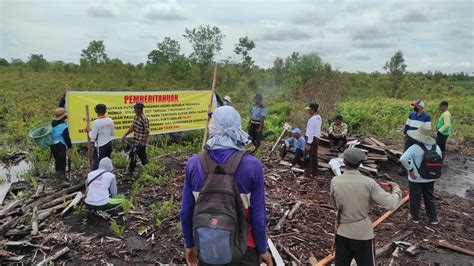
(416, 109)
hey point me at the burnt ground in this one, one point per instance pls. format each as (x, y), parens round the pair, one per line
(310, 231)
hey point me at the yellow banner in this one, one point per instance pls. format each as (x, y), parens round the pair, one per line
(167, 111)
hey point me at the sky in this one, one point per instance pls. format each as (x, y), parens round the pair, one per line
(350, 35)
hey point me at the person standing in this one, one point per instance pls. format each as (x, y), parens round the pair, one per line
(352, 193)
(337, 134)
(411, 160)
(415, 119)
(443, 130)
(141, 131)
(256, 122)
(62, 144)
(294, 145)
(313, 133)
(226, 141)
(103, 130)
(227, 100)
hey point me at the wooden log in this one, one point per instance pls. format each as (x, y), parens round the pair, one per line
(74, 202)
(276, 256)
(4, 188)
(53, 257)
(281, 221)
(293, 257)
(446, 244)
(5, 210)
(294, 209)
(286, 127)
(390, 245)
(43, 200)
(331, 256)
(39, 190)
(57, 201)
(23, 243)
(34, 221)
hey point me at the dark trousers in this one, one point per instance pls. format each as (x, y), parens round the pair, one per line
(105, 207)
(298, 154)
(59, 154)
(337, 143)
(441, 142)
(250, 258)
(104, 151)
(312, 164)
(426, 190)
(363, 251)
(140, 151)
(256, 136)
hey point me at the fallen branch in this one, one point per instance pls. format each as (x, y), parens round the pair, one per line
(293, 257)
(34, 221)
(55, 256)
(281, 221)
(390, 245)
(446, 244)
(74, 202)
(276, 256)
(294, 209)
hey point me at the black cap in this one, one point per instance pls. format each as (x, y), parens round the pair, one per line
(100, 108)
(138, 105)
(338, 117)
(443, 103)
(258, 96)
(313, 106)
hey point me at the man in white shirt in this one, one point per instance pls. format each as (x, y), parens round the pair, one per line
(313, 133)
(103, 130)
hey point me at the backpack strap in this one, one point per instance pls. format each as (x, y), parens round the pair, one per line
(233, 163)
(230, 166)
(208, 165)
(95, 177)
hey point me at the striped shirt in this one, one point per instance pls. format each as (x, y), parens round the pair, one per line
(140, 128)
(414, 121)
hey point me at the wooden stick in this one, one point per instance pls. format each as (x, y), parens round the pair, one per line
(276, 256)
(294, 209)
(293, 257)
(278, 140)
(389, 246)
(209, 108)
(55, 256)
(74, 202)
(89, 145)
(331, 256)
(446, 244)
(281, 221)
(57, 201)
(34, 221)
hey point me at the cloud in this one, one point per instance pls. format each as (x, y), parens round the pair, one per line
(169, 10)
(375, 44)
(279, 32)
(102, 10)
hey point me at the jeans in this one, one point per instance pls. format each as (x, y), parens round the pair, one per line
(298, 154)
(441, 142)
(312, 165)
(59, 154)
(250, 258)
(139, 150)
(416, 191)
(337, 143)
(104, 151)
(363, 251)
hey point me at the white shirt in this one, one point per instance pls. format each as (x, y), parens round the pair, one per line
(103, 130)
(313, 128)
(99, 191)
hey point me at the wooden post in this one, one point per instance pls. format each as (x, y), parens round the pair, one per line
(209, 108)
(89, 146)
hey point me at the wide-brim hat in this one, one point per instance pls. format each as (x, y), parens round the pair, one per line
(422, 134)
(227, 98)
(59, 113)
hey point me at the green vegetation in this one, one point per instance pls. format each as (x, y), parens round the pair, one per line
(163, 211)
(119, 160)
(116, 228)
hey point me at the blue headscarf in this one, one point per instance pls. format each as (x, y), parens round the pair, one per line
(225, 131)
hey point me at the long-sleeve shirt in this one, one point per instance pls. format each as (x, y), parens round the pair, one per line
(414, 154)
(62, 137)
(444, 123)
(104, 186)
(102, 131)
(295, 143)
(249, 180)
(352, 193)
(415, 120)
(313, 128)
(338, 129)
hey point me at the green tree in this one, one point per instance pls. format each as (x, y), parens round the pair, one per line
(305, 67)
(94, 54)
(168, 51)
(16, 62)
(206, 42)
(243, 49)
(37, 62)
(279, 70)
(4, 62)
(396, 69)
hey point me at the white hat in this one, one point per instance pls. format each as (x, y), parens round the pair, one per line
(422, 134)
(227, 98)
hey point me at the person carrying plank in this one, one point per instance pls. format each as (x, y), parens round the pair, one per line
(62, 144)
(444, 127)
(201, 218)
(294, 145)
(352, 193)
(141, 131)
(313, 133)
(337, 134)
(103, 130)
(256, 122)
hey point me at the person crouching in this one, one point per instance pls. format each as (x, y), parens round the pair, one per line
(294, 145)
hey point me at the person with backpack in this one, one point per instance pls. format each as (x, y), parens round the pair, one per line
(62, 144)
(223, 207)
(103, 130)
(423, 162)
(101, 187)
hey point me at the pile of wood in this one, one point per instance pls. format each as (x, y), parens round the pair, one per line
(376, 151)
(23, 218)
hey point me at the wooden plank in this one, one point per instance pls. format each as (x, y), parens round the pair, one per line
(276, 256)
(294, 209)
(376, 141)
(446, 244)
(4, 188)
